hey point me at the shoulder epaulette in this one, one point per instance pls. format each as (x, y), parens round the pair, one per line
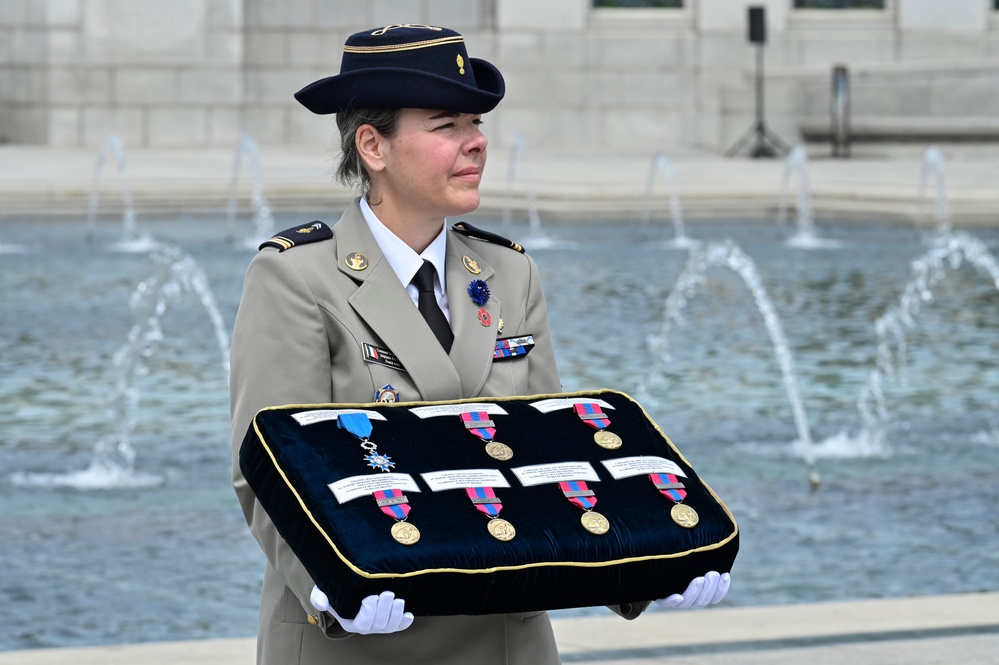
(299, 235)
(466, 229)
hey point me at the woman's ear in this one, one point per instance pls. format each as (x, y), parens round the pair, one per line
(370, 147)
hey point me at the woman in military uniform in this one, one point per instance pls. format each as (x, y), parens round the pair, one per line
(375, 309)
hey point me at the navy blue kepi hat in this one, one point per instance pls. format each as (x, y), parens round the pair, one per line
(406, 66)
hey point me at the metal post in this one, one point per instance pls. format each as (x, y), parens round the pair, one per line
(840, 112)
(761, 149)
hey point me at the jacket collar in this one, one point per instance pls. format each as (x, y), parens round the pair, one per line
(383, 304)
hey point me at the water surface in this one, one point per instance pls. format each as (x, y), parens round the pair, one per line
(174, 561)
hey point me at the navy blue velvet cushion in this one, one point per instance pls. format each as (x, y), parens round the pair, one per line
(457, 567)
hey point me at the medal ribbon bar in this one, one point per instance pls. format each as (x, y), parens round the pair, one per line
(485, 500)
(393, 503)
(579, 494)
(592, 415)
(357, 424)
(479, 424)
(669, 486)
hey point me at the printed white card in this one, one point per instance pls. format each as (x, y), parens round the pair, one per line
(549, 405)
(350, 488)
(457, 409)
(539, 474)
(321, 415)
(626, 467)
(462, 478)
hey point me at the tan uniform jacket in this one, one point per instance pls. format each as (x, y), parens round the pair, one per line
(302, 320)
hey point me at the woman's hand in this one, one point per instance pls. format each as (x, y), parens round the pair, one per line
(701, 591)
(383, 613)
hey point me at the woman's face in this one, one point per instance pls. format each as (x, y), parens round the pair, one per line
(432, 165)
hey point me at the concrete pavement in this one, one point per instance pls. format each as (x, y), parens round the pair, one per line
(930, 630)
(883, 182)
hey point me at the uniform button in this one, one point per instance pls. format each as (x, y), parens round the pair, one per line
(314, 620)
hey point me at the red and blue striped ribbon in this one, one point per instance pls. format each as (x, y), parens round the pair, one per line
(592, 414)
(669, 486)
(484, 433)
(481, 496)
(579, 494)
(399, 511)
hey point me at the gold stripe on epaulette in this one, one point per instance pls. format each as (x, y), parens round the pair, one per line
(284, 242)
(392, 48)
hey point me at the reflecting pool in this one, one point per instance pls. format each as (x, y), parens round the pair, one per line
(171, 559)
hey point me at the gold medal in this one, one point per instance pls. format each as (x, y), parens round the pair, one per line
(608, 440)
(405, 533)
(595, 523)
(500, 529)
(684, 515)
(498, 450)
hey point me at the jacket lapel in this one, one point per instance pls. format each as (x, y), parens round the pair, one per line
(472, 352)
(382, 302)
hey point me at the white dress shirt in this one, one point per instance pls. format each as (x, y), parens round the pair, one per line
(405, 261)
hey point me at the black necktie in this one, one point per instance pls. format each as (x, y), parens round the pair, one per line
(431, 311)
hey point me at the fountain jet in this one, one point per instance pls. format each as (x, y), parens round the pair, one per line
(113, 460)
(263, 221)
(518, 155)
(933, 165)
(661, 164)
(948, 252)
(129, 241)
(805, 237)
(729, 255)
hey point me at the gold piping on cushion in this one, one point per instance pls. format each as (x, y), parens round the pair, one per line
(477, 571)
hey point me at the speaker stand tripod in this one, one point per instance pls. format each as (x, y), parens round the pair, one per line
(768, 144)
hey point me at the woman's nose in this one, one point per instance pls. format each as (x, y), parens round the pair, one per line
(477, 141)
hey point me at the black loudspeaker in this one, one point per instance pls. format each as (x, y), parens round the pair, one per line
(757, 25)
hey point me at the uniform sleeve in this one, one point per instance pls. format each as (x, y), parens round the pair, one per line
(542, 370)
(280, 355)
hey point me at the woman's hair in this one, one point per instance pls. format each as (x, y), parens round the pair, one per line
(350, 169)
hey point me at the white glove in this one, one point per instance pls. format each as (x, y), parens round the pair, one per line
(701, 591)
(383, 613)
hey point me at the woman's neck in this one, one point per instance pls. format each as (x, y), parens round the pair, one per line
(416, 232)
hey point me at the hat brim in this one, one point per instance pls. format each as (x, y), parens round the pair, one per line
(395, 87)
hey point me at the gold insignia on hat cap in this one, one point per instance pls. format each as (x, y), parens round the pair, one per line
(461, 64)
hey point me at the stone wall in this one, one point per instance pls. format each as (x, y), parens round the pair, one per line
(194, 73)
(159, 73)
